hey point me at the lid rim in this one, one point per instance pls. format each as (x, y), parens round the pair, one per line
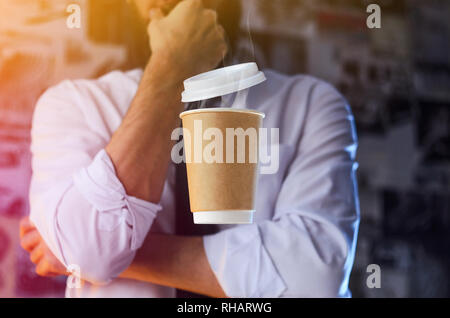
(226, 89)
(222, 110)
(221, 82)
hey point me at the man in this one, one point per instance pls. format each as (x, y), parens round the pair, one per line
(102, 194)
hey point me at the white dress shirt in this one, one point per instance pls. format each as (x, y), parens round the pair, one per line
(301, 244)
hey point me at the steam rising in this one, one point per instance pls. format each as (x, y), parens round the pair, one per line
(239, 99)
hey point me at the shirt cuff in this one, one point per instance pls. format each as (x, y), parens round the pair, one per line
(99, 185)
(241, 263)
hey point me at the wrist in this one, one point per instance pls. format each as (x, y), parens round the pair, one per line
(161, 83)
(167, 65)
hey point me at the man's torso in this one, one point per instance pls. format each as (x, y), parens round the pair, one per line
(283, 99)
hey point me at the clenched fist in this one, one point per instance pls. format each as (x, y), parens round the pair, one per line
(189, 37)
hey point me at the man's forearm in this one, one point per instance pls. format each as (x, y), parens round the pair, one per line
(140, 148)
(175, 261)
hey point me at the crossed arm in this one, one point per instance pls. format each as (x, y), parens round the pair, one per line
(168, 260)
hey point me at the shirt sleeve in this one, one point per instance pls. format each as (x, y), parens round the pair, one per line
(307, 249)
(77, 203)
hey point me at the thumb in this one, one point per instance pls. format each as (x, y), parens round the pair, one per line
(156, 14)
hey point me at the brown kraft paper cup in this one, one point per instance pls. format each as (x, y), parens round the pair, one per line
(222, 193)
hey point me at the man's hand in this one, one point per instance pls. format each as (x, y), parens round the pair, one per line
(189, 37)
(30, 240)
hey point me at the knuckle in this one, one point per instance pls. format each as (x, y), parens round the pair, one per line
(40, 271)
(210, 15)
(48, 255)
(35, 256)
(23, 226)
(24, 245)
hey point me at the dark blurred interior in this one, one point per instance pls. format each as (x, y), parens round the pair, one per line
(397, 80)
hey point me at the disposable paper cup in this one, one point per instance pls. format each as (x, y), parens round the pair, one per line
(222, 191)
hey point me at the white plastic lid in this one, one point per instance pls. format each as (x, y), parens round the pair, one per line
(222, 82)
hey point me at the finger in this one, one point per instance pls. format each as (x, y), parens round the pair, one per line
(43, 269)
(25, 226)
(56, 267)
(218, 35)
(221, 31)
(156, 14)
(46, 270)
(210, 14)
(191, 5)
(30, 240)
(37, 254)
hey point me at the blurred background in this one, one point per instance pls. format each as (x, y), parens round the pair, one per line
(397, 80)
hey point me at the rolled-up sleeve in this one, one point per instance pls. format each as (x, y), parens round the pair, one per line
(307, 249)
(77, 203)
